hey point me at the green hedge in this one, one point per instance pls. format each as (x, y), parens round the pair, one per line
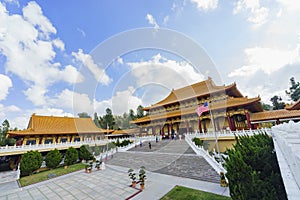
(252, 169)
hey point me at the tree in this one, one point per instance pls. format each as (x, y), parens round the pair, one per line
(252, 169)
(85, 153)
(3, 131)
(71, 156)
(96, 151)
(131, 115)
(30, 161)
(139, 112)
(53, 158)
(108, 119)
(10, 141)
(96, 120)
(277, 104)
(294, 90)
(266, 106)
(83, 115)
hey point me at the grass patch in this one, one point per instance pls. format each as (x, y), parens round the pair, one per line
(179, 192)
(42, 176)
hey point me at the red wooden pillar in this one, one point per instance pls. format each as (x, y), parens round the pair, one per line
(199, 125)
(248, 120)
(163, 130)
(187, 126)
(153, 130)
(277, 121)
(204, 127)
(230, 122)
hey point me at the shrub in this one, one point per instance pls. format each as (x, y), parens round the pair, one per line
(97, 151)
(53, 158)
(30, 161)
(85, 153)
(197, 141)
(252, 169)
(71, 156)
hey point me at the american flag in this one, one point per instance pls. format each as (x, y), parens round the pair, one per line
(203, 108)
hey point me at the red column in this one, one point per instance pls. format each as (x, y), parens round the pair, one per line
(153, 130)
(199, 125)
(248, 120)
(163, 130)
(277, 121)
(187, 126)
(204, 127)
(230, 122)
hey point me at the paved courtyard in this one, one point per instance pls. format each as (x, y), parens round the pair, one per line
(168, 163)
(173, 157)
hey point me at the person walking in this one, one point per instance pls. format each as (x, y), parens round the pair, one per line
(149, 145)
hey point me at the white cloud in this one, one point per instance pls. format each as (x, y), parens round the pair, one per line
(123, 101)
(151, 20)
(98, 73)
(162, 75)
(257, 14)
(37, 95)
(8, 109)
(6, 83)
(164, 71)
(34, 15)
(267, 60)
(77, 102)
(59, 44)
(166, 20)
(16, 2)
(81, 31)
(205, 5)
(120, 60)
(30, 53)
(71, 75)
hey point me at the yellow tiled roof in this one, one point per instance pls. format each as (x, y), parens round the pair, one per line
(229, 103)
(274, 114)
(58, 125)
(295, 106)
(202, 88)
(126, 131)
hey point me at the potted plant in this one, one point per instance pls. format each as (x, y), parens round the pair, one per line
(132, 176)
(90, 167)
(142, 177)
(98, 164)
(223, 181)
(86, 167)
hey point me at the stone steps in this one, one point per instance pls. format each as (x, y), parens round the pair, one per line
(8, 176)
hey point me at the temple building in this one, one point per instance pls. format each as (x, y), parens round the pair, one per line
(230, 110)
(50, 129)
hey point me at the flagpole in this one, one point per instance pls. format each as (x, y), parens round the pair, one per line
(214, 130)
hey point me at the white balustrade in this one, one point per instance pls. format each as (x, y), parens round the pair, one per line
(286, 139)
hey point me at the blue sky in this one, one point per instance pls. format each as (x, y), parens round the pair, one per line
(47, 48)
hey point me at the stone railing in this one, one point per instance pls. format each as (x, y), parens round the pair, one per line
(204, 153)
(286, 139)
(211, 158)
(7, 150)
(230, 133)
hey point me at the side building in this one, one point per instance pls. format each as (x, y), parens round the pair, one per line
(50, 129)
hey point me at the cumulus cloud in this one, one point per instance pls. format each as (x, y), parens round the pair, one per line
(160, 75)
(266, 59)
(205, 5)
(87, 60)
(257, 14)
(30, 53)
(6, 83)
(151, 20)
